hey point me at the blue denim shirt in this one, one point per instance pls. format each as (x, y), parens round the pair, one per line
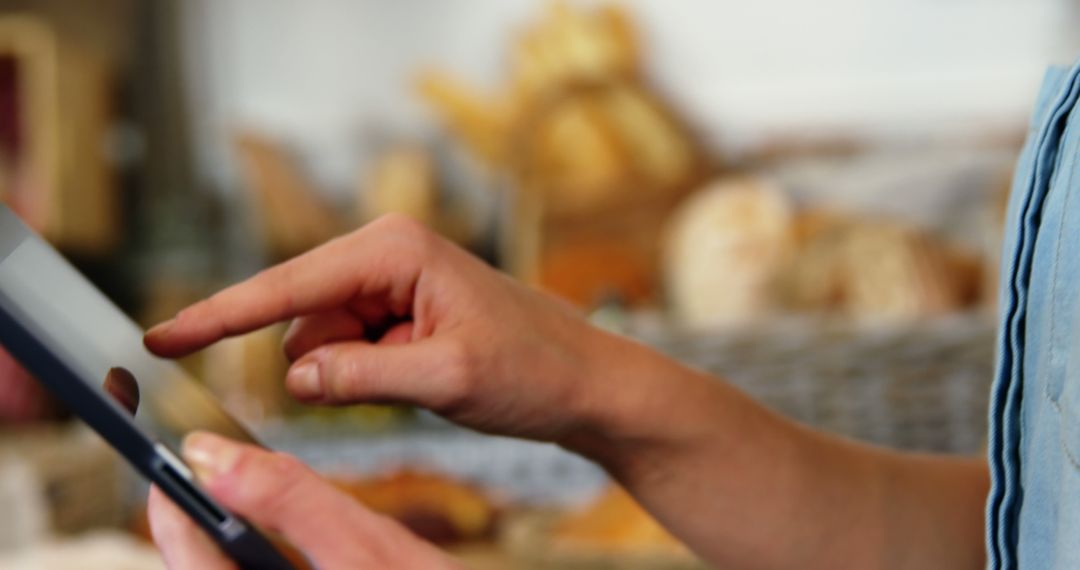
(1033, 510)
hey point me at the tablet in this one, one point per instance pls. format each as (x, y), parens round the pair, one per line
(70, 336)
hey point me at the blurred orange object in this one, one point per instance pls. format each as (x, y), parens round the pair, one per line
(586, 272)
(434, 507)
(611, 532)
(614, 522)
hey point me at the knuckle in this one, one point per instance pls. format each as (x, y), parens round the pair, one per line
(211, 309)
(216, 301)
(270, 479)
(402, 229)
(290, 348)
(459, 373)
(399, 224)
(342, 376)
(279, 279)
(289, 470)
(192, 312)
(291, 344)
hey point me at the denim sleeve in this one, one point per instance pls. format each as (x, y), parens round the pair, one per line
(1035, 172)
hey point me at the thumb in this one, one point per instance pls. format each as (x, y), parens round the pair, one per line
(281, 494)
(432, 373)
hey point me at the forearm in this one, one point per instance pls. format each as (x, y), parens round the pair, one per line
(748, 489)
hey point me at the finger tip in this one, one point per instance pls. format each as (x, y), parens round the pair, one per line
(153, 342)
(304, 380)
(166, 348)
(210, 456)
(199, 439)
(167, 341)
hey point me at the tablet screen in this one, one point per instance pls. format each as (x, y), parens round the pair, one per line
(92, 336)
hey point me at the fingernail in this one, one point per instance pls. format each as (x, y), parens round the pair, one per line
(209, 456)
(304, 380)
(161, 329)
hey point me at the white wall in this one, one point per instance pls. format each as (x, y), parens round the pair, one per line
(326, 73)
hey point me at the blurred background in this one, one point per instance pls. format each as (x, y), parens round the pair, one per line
(805, 198)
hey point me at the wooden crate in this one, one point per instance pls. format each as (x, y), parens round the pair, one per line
(61, 182)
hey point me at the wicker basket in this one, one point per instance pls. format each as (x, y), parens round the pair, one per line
(919, 386)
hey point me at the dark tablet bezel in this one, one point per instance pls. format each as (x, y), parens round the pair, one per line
(155, 461)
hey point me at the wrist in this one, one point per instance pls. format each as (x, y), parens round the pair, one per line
(668, 434)
(635, 405)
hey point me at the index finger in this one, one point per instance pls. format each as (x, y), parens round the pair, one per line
(322, 279)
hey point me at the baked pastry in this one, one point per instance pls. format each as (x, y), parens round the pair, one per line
(726, 244)
(615, 523)
(877, 269)
(434, 507)
(611, 532)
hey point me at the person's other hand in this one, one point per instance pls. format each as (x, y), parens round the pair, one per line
(395, 313)
(22, 399)
(281, 495)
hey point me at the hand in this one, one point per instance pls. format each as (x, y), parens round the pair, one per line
(279, 494)
(22, 399)
(394, 313)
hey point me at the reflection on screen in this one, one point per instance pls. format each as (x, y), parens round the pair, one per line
(122, 386)
(93, 337)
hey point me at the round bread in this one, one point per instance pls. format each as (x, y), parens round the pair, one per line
(724, 248)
